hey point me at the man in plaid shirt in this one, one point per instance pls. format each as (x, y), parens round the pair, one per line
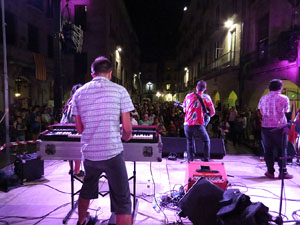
(273, 107)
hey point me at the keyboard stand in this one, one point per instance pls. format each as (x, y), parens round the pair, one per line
(112, 219)
(73, 206)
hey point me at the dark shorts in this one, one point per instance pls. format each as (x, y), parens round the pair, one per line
(116, 174)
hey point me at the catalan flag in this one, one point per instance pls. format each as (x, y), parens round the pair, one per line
(40, 66)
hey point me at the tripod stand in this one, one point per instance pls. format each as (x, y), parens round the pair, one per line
(285, 129)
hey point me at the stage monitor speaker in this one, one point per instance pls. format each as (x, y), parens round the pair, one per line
(201, 203)
(217, 148)
(178, 145)
(173, 144)
(29, 167)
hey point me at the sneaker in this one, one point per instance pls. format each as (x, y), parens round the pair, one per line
(269, 175)
(286, 176)
(89, 220)
(80, 174)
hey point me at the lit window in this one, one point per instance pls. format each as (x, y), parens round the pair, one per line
(168, 86)
(149, 86)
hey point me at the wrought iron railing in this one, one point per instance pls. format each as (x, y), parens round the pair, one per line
(226, 60)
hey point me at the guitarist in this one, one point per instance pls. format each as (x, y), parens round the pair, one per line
(194, 122)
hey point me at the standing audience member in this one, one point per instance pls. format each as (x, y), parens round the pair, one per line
(133, 120)
(35, 125)
(231, 120)
(97, 106)
(172, 130)
(273, 107)
(224, 128)
(66, 118)
(46, 119)
(145, 120)
(20, 128)
(160, 126)
(194, 120)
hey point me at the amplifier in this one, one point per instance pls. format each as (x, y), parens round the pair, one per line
(212, 171)
(29, 167)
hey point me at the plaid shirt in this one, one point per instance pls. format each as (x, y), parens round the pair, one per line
(193, 109)
(273, 107)
(100, 103)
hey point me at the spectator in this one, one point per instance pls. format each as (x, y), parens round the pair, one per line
(172, 130)
(161, 128)
(224, 128)
(133, 120)
(145, 120)
(20, 129)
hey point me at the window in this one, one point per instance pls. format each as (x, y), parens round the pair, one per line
(80, 16)
(199, 69)
(10, 20)
(49, 11)
(33, 38)
(206, 59)
(217, 50)
(207, 28)
(168, 86)
(234, 6)
(217, 17)
(36, 3)
(50, 46)
(80, 67)
(149, 87)
(262, 37)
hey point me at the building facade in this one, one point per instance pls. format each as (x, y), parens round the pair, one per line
(236, 46)
(107, 31)
(29, 37)
(30, 33)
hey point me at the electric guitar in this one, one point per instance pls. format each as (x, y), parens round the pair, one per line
(206, 114)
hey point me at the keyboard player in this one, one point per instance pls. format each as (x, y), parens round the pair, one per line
(97, 106)
(68, 118)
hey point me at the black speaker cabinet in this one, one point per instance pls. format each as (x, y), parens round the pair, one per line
(29, 167)
(178, 145)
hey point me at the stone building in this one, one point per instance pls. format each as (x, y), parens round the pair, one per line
(30, 33)
(107, 31)
(29, 36)
(238, 47)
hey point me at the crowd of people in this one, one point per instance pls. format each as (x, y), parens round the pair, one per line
(240, 126)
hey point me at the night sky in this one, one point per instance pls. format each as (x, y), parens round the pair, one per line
(156, 23)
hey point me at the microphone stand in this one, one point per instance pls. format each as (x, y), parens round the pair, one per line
(283, 157)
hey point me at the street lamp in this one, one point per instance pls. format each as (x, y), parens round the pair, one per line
(228, 23)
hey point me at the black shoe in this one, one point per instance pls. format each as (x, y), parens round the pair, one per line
(89, 221)
(80, 174)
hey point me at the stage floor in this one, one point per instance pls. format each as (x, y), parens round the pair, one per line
(41, 197)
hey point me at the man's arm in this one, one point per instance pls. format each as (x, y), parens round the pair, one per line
(212, 110)
(79, 125)
(126, 126)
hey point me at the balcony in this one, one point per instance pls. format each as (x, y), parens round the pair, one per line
(229, 59)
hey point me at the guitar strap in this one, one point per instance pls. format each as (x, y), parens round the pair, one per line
(202, 103)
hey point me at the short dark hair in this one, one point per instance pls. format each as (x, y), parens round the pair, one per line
(101, 65)
(275, 85)
(201, 85)
(75, 88)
